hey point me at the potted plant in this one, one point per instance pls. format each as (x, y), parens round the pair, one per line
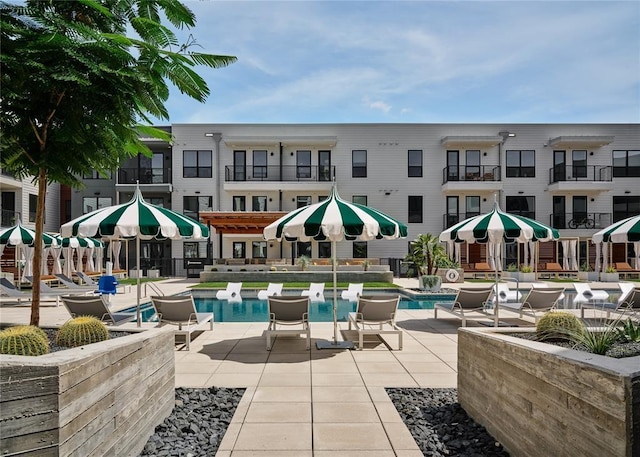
(586, 273)
(426, 253)
(610, 275)
(153, 272)
(511, 271)
(303, 262)
(526, 274)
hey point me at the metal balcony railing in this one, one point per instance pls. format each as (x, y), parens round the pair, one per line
(144, 175)
(299, 173)
(580, 173)
(580, 220)
(471, 173)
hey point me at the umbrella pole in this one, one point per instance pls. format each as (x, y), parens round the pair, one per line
(138, 316)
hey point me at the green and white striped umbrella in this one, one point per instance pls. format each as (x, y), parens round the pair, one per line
(624, 231)
(335, 219)
(18, 235)
(137, 220)
(75, 242)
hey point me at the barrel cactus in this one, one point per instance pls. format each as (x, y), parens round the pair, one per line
(558, 326)
(24, 340)
(80, 331)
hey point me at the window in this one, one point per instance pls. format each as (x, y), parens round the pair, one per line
(239, 165)
(239, 203)
(259, 203)
(522, 206)
(415, 208)
(192, 205)
(324, 249)
(196, 164)
(324, 165)
(472, 165)
(33, 207)
(559, 166)
(359, 163)
(194, 249)
(303, 164)
(579, 208)
(360, 250)
(94, 174)
(415, 163)
(579, 164)
(359, 199)
(259, 164)
(626, 206)
(303, 200)
(322, 198)
(521, 164)
(472, 203)
(150, 169)
(453, 211)
(453, 166)
(158, 201)
(93, 203)
(239, 250)
(259, 249)
(303, 248)
(626, 164)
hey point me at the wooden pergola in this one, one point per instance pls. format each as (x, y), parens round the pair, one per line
(240, 223)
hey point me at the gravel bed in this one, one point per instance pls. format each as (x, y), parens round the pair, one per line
(440, 426)
(618, 350)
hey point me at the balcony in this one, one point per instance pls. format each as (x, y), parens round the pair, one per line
(580, 178)
(276, 177)
(580, 221)
(468, 178)
(151, 179)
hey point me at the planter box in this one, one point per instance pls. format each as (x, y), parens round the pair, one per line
(591, 276)
(519, 276)
(610, 277)
(101, 399)
(541, 400)
(153, 273)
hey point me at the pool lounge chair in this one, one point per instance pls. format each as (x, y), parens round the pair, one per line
(375, 316)
(273, 290)
(554, 269)
(88, 280)
(68, 282)
(628, 302)
(482, 270)
(626, 271)
(288, 311)
(353, 292)
(315, 292)
(9, 289)
(94, 305)
(467, 301)
(231, 293)
(535, 304)
(585, 294)
(181, 310)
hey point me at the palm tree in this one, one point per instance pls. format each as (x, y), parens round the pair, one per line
(426, 252)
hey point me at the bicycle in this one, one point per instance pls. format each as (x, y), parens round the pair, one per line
(586, 221)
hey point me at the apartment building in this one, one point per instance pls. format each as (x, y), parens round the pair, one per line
(240, 177)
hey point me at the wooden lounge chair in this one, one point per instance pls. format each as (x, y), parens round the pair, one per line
(288, 311)
(535, 304)
(626, 271)
(627, 303)
(467, 301)
(554, 269)
(273, 289)
(482, 270)
(353, 292)
(94, 305)
(180, 310)
(315, 292)
(375, 316)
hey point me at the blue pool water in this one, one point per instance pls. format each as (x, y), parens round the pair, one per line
(254, 310)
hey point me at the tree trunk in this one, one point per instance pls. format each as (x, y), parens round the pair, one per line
(37, 248)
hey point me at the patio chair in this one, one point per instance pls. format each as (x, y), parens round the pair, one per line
(315, 291)
(288, 311)
(9, 289)
(482, 269)
(86, 278)
(68, 282)
(273, 289)
(94, 305)
(555, 269)
(466, 301)
(544, 285)
(625, 270)
(353, 292)
(628, 302)
(585, 294)
(181, 310)
(231, 293)
(537, 302)
(504, 293)
(375, 316)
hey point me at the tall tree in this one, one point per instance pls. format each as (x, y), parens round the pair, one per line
(76, 89)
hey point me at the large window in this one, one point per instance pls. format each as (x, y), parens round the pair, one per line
(360, 250)
(522, 206)
(579, 164)
(303, 200)
(239, 165)
(521, 164)
(625, 206)
(453, 165)
(94, 174)
(93, 203)
(359, 199)
(194, 249)
(259, 164)
(259, 249)
(239, 250)
(303, 248)
(192, 205)
(196, 164)
(324, 165)
(359, 163)
(33, 207)
(626, 164)
(259, 203)
(303, 164)
(415, 163)
(239, 203)
(472, 165)
(415, 208)
(324, 249)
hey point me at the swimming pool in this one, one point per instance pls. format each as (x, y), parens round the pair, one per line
(252, 309)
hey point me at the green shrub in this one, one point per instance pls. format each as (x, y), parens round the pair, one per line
(80, 331)
(273, 269)
(630, 331)
(24, 340)
(558, 326)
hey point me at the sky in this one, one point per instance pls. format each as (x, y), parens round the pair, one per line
(416, 62)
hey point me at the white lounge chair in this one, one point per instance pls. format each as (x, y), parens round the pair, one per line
(353, 292)
(505, 294)
(181, 310)
(375, 316)
(467, 301)
(94, 305)
(537, 302)
(315, 291)
(585, 294)
(273, 290)
(231, 293)
(628, 301)
(288, 311)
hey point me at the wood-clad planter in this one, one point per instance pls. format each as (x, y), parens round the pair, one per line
(103, 399)
(540, 400)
